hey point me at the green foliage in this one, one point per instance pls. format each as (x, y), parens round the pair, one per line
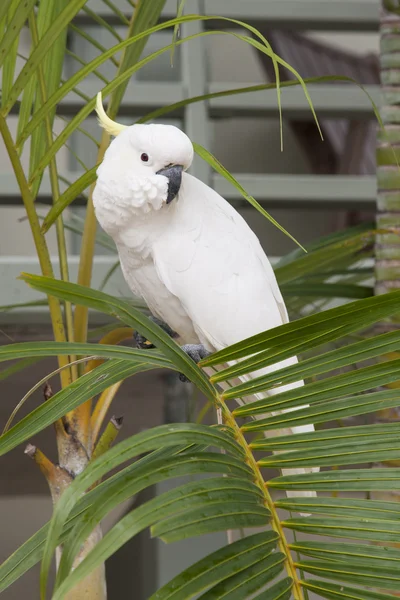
(235, 500)
(223, 486)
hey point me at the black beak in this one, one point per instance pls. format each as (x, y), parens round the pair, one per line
(174, 176)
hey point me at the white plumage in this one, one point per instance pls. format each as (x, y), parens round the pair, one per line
(194, 260)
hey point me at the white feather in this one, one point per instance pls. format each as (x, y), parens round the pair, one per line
(195, 262)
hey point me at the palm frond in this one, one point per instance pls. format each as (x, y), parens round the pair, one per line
(238, 496)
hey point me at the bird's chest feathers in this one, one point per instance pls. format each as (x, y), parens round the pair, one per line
(124, 204)
(138, 236)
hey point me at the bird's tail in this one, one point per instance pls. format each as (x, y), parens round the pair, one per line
(286, 431)
(292, 431)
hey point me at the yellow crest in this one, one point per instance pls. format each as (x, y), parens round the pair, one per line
(112, 127)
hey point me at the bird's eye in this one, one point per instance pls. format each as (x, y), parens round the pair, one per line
(144, 157)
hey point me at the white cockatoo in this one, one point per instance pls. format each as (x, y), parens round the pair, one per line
(183, 248)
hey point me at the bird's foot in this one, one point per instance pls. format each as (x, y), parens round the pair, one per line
(196, 352)
(144, 344)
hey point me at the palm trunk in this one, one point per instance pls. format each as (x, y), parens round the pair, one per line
(387, 248)
(93, 587)
(73, 459)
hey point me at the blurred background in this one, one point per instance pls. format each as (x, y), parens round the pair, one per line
(311, 188)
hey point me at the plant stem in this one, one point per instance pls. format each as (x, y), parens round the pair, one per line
(61, 242)
(229, 420)
(144, 16)
(93, 587)
(77, 422)
(87, 251)
(103, 404)
(108, 437)
(101, 408)
(48, 469)
(39, 241)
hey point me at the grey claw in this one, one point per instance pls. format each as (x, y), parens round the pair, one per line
(142, 343)
(196, 352)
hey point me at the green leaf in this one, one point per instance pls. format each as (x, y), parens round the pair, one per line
(124, 20)
(291, 345)
(25, 109)
(190, 495)
(93, 41)
(146, 441)
(5, 5)
(364, 480)
(49, 73)
(70, 194)
(339, 592)
(325, 437)
(124, 76)
(331, 456)
(343, 551)
(326, 290)
(382, 578)
(109, 274)
(218, 566)
(266, 49)
(321, 391)
(342, 235)
(26, 557)
(57, 28)
(146, 473)
(76, 224)
(122, 310)
(33, 303)
(142, 475)
(67, 399)
(280, 591)
(17, 367)
(10, 51)
(73, 81)
(245, 583)
(362, 529)
(216, 165)
(181, 6)
(335, 359)
(323, 412)
(36, 349)
(176, 106)
(144, 19)
(99, 21)
(30, 553)
(217, 517)
(19, 12)
(360, 314)
(323, 257)
(327, 389)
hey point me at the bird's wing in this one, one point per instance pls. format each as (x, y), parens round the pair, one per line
(212, 261)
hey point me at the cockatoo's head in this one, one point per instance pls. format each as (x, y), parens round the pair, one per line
(142, 168)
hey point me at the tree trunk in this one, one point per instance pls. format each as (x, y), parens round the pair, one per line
(93, 587)
(387, 247)
(73, 459)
